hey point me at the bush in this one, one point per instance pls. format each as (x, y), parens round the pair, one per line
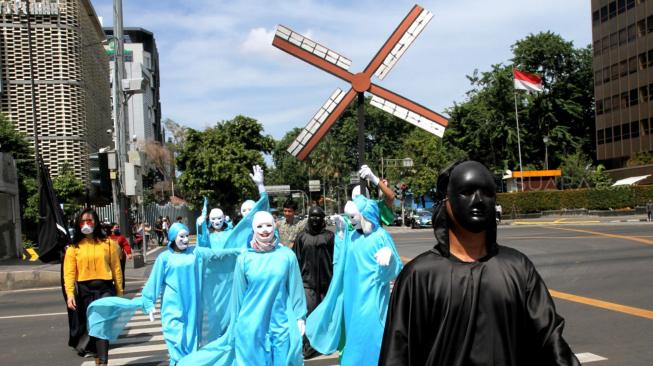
(610, 198)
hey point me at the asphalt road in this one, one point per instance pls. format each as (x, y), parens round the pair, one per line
(603, 271)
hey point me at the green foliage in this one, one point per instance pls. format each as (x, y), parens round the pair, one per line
(579, 172)
(640, 158)
(287, 169)
(430, 155)
(588, 198)
(484, 124)
(69, 190)
(216, 162)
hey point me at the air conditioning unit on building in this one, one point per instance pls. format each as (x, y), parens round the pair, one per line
(133, 86)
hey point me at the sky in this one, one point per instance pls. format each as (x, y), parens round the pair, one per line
(217, 60)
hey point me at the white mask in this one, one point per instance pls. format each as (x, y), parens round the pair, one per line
(181, 241)
(246, 207)
(216, 218)
(354, 215)
(87, 229)
(263, 226)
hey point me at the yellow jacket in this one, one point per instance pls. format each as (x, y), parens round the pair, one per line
(92, 260)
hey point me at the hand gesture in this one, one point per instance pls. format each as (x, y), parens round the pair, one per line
(366, 173)
(72, 304)
(257, 175)
(383, 256)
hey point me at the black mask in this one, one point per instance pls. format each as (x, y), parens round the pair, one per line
(472, 195)
(315, 220)
(116, 232)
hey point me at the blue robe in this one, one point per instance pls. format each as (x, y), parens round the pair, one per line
(267, 301)
(357, 299)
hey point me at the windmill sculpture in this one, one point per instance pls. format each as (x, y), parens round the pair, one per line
(334, 63)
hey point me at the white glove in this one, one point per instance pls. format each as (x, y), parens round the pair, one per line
(301, 324)
(227, 219)
(200, 220)
(151, 314)
(339, 222)
(383, 256)
(257, 177)
(366, 173)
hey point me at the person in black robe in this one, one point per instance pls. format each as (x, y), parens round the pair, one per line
(470, 301)
(314, 250)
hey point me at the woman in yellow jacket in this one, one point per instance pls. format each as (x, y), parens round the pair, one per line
(91, 271)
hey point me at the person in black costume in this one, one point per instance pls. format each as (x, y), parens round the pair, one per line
(470, 301)
(314, 250)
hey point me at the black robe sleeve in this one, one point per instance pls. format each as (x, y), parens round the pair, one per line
(546, 325)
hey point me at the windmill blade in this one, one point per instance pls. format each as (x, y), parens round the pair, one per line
(408, 116)
(312, 52)
(321, 123)
(399, 41)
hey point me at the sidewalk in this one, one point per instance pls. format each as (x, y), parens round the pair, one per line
(16, 274)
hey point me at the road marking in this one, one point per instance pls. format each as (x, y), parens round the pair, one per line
(648, 314)
(138, 349)
(31, 315)
(555, 222)
(141, 331)
(135, 340)
(616, 236)
(132, 360)
(586, 357)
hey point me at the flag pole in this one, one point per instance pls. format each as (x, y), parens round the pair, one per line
(521, 171)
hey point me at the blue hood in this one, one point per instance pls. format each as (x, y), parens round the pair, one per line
(369, 209)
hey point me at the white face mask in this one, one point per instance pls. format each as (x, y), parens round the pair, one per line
(354, 215)
(181, 241)
(246, 207)
(87, 229)
(216, 218)
(263, 226)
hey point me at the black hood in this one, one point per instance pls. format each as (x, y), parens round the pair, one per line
(441, 224)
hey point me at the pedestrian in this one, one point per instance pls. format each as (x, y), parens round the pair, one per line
(314, 251)
(91, 271)
(499, 212)
(469, 300)
(649, 211)
(289, 227)
(180, 219)
(351, 315)
(158, 230)
(268, 306)
(165, 226)
(125, 249)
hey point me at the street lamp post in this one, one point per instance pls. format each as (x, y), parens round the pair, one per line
(546, 152)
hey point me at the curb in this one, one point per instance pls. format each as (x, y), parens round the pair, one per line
(20, 280)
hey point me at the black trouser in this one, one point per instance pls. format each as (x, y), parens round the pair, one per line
(87, 292)
(313, 299)
(123, 259)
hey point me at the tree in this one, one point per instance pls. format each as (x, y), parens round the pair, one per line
(484, 124)
(159, 167)
(430, 155)
(578, 171)
(69, 190)
(287, 169)
(216, 162)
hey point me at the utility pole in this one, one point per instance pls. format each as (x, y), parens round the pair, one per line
(33, 90)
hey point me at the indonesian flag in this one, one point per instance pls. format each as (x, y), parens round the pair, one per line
(526, 81)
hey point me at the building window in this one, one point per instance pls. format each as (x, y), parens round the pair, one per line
(623, 102)
(621, 6)
(634, 129)
(643, 94)
(598, 78)
(649, 24)
(605, 43)
(642, 60)
(614, 40)
(645, 126)
(596, 17)
(630, 4)
(600, 137)
(604, 14)
(608, 135)
(597, 48)
(614, 72)
(650, 58)
(599, 107)
(632, 33)
(612, 8)
(633, 97)
(617, 134)
(623, 37)
(625, 131)
(606, 74)
(632, 65)
(641, 28)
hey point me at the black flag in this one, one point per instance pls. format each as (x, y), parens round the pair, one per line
(53, 230)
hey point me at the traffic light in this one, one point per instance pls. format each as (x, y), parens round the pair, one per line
(99, 172)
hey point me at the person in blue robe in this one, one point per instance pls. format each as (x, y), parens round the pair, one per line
(268, 306)
(352, 316)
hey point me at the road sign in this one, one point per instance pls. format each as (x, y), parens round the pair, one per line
(313, 185)
(354, 178)
(296, 195)
(281, 188)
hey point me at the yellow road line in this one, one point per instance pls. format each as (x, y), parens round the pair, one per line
(556, 222)
(603, 304)
(616, 236)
